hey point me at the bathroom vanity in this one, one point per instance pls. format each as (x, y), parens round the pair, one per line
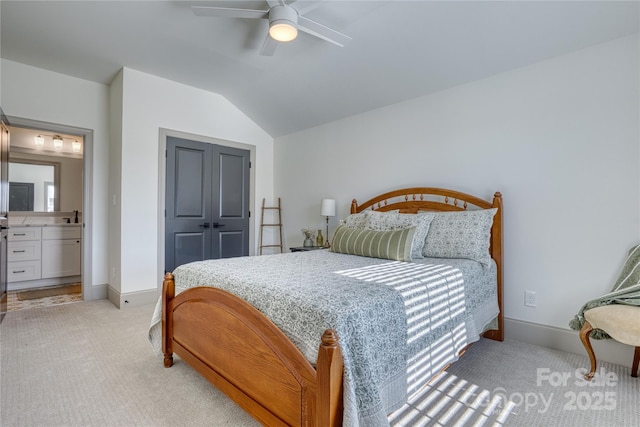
(43, 255)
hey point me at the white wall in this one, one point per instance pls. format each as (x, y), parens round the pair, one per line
(115, 181)
(37, 94)
(149, 104)
(1, 109)
(560, 140)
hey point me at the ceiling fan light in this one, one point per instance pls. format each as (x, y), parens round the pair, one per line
(283, 31)
(283, 23)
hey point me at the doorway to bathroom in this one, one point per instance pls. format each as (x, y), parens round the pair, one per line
(49, 235)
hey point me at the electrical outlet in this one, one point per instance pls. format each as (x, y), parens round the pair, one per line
(530, 298)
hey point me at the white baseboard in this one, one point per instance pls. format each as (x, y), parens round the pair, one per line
(567, 340)
(131, 299)
(95, 292)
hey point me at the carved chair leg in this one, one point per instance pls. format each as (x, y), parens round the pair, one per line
(636, 362)
(584, 337)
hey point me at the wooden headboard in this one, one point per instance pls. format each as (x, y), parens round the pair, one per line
(412, 200)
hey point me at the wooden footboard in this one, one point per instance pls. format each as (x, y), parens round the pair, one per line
(247, 357)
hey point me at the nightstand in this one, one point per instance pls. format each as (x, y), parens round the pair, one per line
(306, 248)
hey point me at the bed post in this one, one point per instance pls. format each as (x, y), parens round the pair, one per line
(354, 206)
(168, 292)
(496, 254)
(329, 382)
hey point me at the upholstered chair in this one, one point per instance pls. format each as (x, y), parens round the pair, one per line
(621, 322)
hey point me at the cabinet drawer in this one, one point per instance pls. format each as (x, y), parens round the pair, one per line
(23, 251)
(23, 270)
(50, 233)
(24, 233)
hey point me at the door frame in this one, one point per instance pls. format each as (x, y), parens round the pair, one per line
(162, 176)
(88, 291)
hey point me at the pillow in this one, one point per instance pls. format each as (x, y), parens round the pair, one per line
(463, 234)
(420, 221)
(358, 220)
(355, 221)
(375, 220)
(392, 244)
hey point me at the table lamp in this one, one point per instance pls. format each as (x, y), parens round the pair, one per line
(327, 209)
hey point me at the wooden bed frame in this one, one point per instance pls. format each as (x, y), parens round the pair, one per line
(247, 357)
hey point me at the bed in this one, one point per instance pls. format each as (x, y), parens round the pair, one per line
(291, 355)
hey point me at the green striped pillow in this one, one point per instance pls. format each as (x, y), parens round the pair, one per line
(393, 244)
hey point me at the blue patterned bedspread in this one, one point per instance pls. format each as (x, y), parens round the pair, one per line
(398, 323)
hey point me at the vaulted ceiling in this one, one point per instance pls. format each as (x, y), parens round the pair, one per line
(399, 49)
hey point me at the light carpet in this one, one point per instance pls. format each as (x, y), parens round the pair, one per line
(90, 364)
(518, 384)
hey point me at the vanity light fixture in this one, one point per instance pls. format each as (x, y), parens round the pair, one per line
(76, 146)
(39, 140)
(57, 142)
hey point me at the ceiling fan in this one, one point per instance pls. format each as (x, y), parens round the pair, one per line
(285, 20)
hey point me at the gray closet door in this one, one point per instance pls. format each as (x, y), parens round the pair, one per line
(231, 202)
(207, 202)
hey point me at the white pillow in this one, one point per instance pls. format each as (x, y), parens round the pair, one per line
(460, 234)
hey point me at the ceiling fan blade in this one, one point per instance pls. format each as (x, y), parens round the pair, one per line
(272, 3)
(229, 12)
(269, 46)
(304, 6)
(325, 33)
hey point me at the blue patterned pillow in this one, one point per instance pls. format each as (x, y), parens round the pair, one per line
(392, 244)
(355, 221)
(359, 220)
(463, 234)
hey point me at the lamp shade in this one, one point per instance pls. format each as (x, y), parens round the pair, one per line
(57, 142)
(328, 207)
(39, 141)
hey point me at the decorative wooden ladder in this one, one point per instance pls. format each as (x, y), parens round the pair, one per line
(278, 224)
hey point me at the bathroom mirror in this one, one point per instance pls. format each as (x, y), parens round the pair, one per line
(33, 186)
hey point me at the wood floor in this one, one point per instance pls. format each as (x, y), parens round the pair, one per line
(14, 304)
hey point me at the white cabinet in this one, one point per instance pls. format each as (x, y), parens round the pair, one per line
(24, 233)
(24, 253)
(61, 251)
(43, 252)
